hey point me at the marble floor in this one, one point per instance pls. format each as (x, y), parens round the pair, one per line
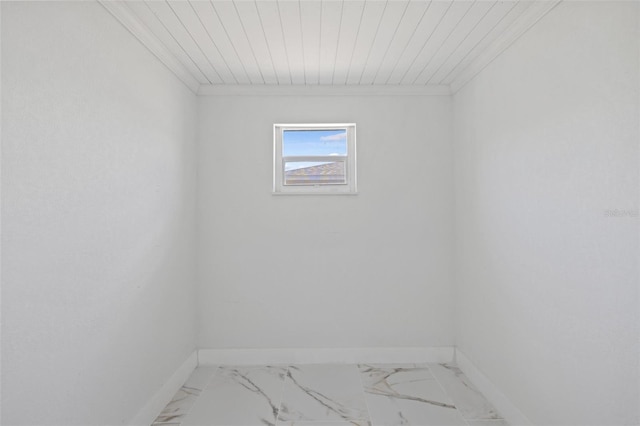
(329, 395)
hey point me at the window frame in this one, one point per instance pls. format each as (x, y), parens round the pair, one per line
(348, 188)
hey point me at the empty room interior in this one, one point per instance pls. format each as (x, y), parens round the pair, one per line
(320, 212)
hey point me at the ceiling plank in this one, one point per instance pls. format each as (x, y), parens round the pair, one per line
(233, 26)
(165, 14)
(443, 29)
(271, 25)
(332, 12)
(252, 26)
(488, 39)
(327, 42)
(373, 13)
(427, 26)
(352, 14)
(146, 15)
(389, 26)
(310, 21)
(536, 11)
(190, 19)
(458, 34)
(415, 13)
(211, 22)
(290, 18)
(466, 47)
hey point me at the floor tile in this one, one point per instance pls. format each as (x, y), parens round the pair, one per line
(201, 377)
(239, 396)
(470, 402)
(329, 395)
(499, 422)
(339, 423)
(185, 398)
(406, 395)
(323, 393)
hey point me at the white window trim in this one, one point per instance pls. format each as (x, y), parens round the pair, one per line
(350, 188)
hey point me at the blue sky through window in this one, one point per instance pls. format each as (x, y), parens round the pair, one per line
(314, 142)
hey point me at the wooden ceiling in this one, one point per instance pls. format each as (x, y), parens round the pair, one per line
(327, 42)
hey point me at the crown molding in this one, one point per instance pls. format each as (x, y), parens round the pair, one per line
(130, 21)
(322, 90)
(535, 12)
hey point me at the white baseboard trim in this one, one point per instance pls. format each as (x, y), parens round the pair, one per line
(324, 355)
(156, 404)
(505, 407)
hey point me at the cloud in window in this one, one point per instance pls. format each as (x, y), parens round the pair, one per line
(336, 137)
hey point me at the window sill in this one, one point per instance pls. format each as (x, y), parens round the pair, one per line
(314, 193)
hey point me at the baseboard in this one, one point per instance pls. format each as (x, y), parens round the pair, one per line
(325, 355)
(505, 407)
(156, 404)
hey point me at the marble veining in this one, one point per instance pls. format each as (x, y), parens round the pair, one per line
(240, 395)
(382, 382)
(176, 409)
(325, 401)
(245, 381)
(185, 397)
(469, 401)
(323, 393)
(329, 395)
(407, 395)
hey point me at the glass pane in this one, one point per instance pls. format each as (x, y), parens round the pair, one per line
(314, 142)
(315, 173)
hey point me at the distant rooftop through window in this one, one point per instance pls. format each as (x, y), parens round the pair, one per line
(305, 143)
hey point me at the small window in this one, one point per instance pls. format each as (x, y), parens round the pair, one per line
(314, 159)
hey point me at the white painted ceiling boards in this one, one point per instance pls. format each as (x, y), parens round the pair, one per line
(327, 42)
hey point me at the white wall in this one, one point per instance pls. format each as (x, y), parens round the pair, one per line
(339, 271)
(98, 187)
(546, 143)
